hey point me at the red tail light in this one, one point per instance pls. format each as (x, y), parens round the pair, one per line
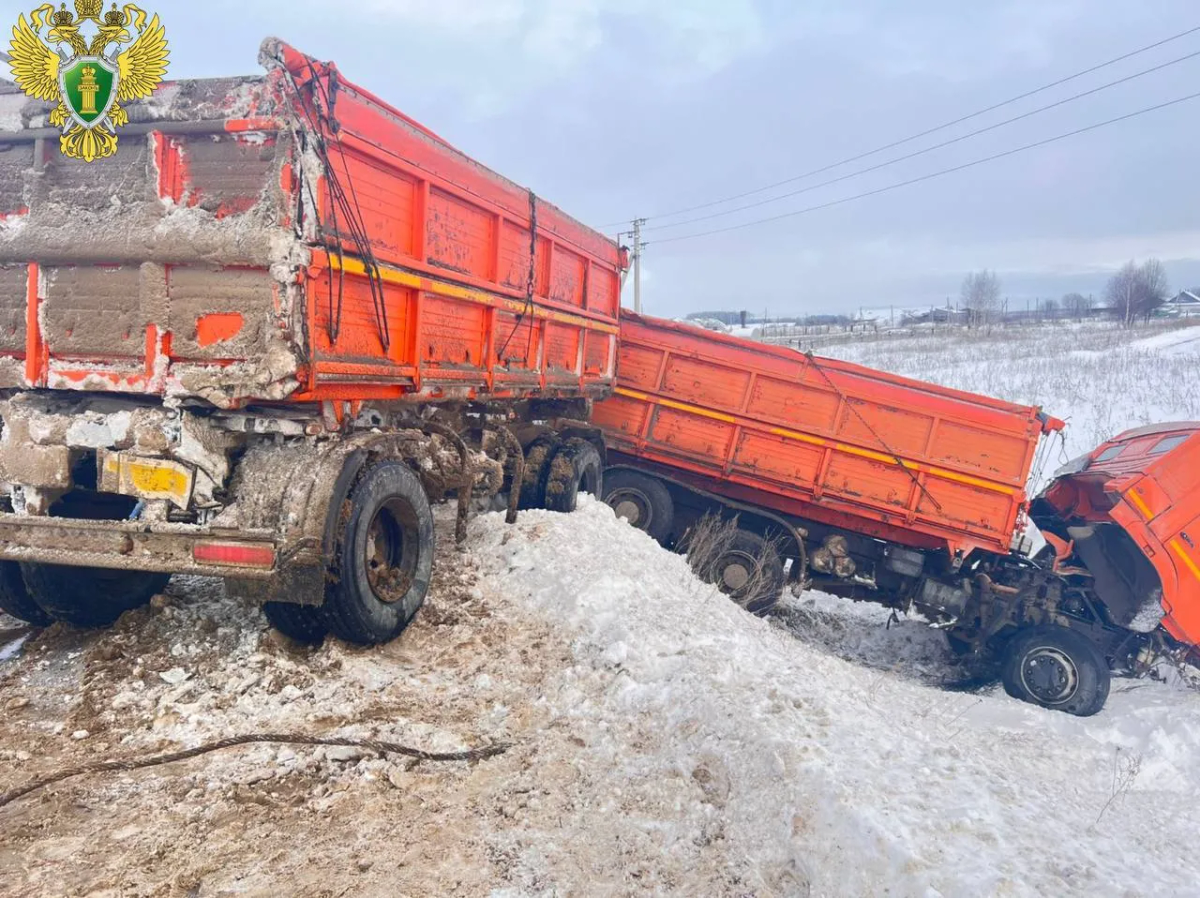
(235, 554)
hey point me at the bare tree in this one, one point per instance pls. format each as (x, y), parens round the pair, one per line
(1135, 291)
(1050, 308)
(981, 297)
(1076, 305)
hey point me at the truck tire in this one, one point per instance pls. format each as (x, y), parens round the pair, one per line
(90, 597)
(575, 468)
(303, 623)
(1056, 668)
(15, 599)
(383, 558)
(644, 501)
(750, 572)
(537, 470)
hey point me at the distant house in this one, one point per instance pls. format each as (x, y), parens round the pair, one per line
(936, 315)
(1186, 304)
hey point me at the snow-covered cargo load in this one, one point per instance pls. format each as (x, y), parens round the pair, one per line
(261, 334)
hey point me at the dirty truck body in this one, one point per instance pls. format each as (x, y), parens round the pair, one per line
(882, 488)
(259, 337)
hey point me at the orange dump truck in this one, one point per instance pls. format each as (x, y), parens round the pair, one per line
(258, 339)
(873, 486)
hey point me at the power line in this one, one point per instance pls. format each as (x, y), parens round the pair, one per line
(932, 175)
(925, 133)
(930, 149)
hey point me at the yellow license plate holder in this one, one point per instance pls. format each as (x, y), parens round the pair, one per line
(146, 478)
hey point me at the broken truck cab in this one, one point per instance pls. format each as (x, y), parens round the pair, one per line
(1130, 511)
(258, 340)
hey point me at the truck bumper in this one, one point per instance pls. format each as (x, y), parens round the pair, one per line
(164, 548)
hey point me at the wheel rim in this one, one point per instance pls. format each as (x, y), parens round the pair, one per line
(737, 569)
(390, 551)
(1049, 675)
(633, 506)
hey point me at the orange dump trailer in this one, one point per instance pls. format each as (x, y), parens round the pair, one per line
(908, 462)
(879, 487)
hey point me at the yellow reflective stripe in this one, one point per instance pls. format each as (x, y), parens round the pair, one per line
(1187, 559)
(390, 275)
(1140, 504)
(817, 441)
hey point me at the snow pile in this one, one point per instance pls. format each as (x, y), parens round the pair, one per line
(664, 742)
(797, 767)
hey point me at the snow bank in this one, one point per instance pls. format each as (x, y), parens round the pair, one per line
(716, 732)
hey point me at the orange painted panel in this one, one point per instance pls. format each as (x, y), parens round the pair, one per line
(597, 353)
(777, 458)
(218, 327)
(562, 348)
(385, 196)
(458, 235)
(452, 333)
(621, 415)
(876, 426)
(692, 434)
(358, 326)
(788, 402)
(637, 366)
(567, 277)
(705, 383)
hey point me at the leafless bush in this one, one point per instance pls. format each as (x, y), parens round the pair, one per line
(709, 544)
(1126, 768)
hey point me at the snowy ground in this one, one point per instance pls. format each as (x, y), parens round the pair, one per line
(666, 742)
(1100, 378)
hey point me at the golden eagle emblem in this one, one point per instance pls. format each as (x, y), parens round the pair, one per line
(124, 59)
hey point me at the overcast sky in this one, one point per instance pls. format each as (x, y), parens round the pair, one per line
(617, 108)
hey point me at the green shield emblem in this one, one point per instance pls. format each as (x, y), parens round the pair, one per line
(89, 86)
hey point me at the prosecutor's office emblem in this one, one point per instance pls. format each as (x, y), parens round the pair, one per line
(124, 59)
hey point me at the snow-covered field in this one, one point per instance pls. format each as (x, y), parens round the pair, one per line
(663, 741)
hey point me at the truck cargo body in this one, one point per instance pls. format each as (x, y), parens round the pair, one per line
(259, 338)
(822, 440)
(223, 253)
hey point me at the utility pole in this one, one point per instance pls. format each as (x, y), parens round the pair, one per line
(637, 264)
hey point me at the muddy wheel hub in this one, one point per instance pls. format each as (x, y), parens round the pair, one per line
(629, 508)
(388, 575)
(735, 574)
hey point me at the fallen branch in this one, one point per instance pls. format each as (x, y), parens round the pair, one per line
(474, 754)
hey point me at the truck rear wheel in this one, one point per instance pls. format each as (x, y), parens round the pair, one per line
(1058, 669)
(90, 597)
(575, 468)
(538, 455)
(384, 557)
(641, 500)
(750, 571)
(15, 599)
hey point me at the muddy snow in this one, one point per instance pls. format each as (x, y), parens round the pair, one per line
(664, 742)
